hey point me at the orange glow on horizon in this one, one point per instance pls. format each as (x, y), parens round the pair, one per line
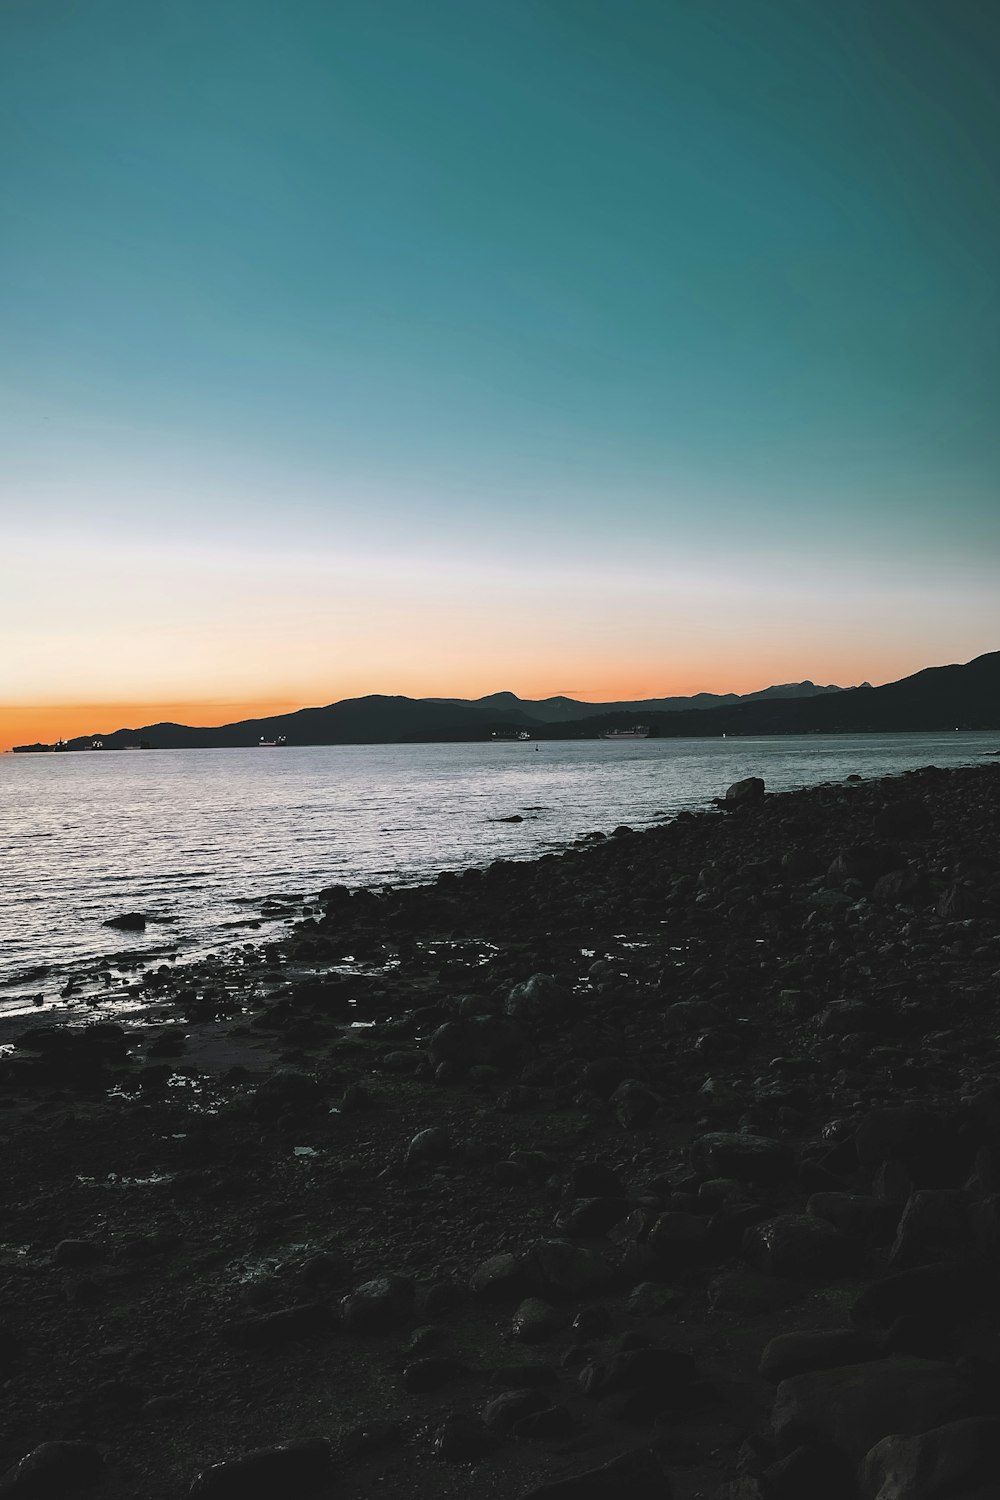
(25, 724)
(44, 723)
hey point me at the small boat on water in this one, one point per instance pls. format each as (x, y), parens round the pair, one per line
(637, 732)
(263, 744)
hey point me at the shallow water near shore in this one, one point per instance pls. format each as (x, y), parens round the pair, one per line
(199, 839)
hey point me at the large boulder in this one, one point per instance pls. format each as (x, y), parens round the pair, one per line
(852, 1407)
(52, 1471)
(540, 998)
(569, 1270)
(637, 1474)
(473, 1041)
(956, 1291)
(798, 1245)
(797, 1353)
(302, 1467)
(379, 1305)
(745, 793)
(936, 1224)
(860, 1216)
(896, 1133)
(959, 1461)
(748, 1158)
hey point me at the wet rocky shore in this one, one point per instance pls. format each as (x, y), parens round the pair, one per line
(666, 1166)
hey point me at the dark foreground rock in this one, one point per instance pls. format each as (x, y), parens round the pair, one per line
(668, 1165)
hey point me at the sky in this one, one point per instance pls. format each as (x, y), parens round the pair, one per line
(544, 345)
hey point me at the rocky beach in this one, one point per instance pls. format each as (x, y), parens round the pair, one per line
(665, 1166)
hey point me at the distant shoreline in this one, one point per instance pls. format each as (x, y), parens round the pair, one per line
(541, 739)
(935, 700)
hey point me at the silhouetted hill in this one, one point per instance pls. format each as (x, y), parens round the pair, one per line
(963, 697)
(954, 697)
(354, 721)
(562, 710)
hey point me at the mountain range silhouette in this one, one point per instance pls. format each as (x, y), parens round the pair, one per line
(962, 696)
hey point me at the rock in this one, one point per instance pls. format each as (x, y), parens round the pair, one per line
(539, 998)
(602, 1075)
(720, 1192)
(959, 1461)
(853, 1407)
(592, 1179)
(305, 1467)
(524, 1376)
(569, 1270)
(903, 818)
(959, 1290)
(745, 793)
(984, 1106)
(649, 1299)
(52, 1471)
(797, 1353)
(169, 1043)
(634, 1104)
(748, 1158)
(547, 1423)
(592, 1216)
(904, 1133)
(892, 1184)
(129, 921)
(430, 1374)
(376, 1306)
(398, 1061)
(536, 1321)
(461, 1439)
(82, 1046)
(688, 1017)
(748, 1293)
(433, 1145)
(374, 1436)
(289, 1094)
(638, 1475)
(680, 1239)
(860, 1216)
(808, 1472)
(798, 1245)
(667, 1371)
(504, 1412)
(77, 1253)
(287, 1325)
(907, 887)
(504, 1275)
(475, 1041)
(936, 1223)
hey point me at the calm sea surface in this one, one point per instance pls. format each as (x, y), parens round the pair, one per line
(197, 839)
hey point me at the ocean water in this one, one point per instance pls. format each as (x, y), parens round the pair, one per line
(198, 839)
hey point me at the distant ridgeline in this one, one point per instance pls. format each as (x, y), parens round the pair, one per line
(954, 697)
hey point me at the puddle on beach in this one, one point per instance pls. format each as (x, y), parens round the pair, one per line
(199, 1093)
(256, 1268)
(116, 1180)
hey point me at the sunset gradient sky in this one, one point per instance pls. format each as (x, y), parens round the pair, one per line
(549, 345)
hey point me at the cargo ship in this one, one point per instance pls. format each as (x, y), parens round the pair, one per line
(637, 732)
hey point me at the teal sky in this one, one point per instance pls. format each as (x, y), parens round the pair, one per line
(617, 294)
